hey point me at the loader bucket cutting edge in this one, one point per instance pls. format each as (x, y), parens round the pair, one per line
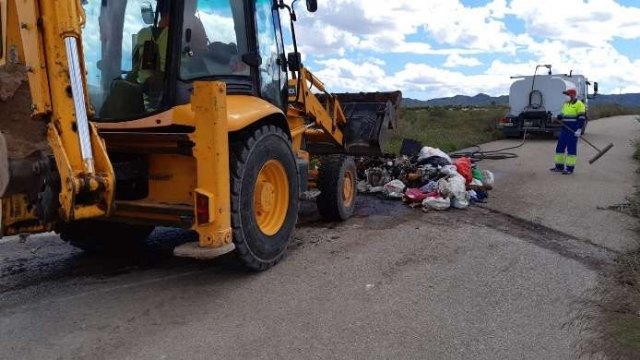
(369, 116)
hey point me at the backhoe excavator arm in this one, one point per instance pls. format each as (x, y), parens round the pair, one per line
(49, 42)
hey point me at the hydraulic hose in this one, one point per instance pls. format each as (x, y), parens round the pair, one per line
(500, 154)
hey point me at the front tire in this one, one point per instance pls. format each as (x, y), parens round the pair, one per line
(337, 185)
(264, 195)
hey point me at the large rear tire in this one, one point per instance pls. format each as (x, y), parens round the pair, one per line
(103, 237)
(264, 195)
(337, 185)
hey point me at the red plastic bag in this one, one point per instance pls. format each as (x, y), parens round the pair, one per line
(464, 168)
(415, 195)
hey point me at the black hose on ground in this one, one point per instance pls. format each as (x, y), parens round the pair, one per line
(500, 154)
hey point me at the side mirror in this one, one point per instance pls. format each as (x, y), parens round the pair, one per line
(148, 15)
(595, 88)
(294, 59)
(312, 5)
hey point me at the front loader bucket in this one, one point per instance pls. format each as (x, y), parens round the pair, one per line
(369, 116)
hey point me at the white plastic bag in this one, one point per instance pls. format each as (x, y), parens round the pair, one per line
(459, 203)
(457, 187)
(449, 170)
(472, 194)
(427, 152)
(394, 189)
(489, 179)
(436, 203)
(444, 188)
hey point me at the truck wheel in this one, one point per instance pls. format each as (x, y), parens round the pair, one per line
(105, 237)
(264, 196)
(337, 185)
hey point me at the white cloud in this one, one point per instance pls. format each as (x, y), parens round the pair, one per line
(591, 23)
(353, 76)
(348, 40)
(571, 35)
(455, 60)
(382, 26)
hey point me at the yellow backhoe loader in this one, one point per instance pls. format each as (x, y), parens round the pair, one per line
(118, 116)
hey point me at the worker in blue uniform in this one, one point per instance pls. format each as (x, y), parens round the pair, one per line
(573, 115)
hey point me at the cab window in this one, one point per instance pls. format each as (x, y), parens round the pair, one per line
(214, 39)
(270, 48)
(125, 46)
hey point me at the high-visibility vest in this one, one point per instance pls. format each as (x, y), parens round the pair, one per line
(573, 111)
(146, 34)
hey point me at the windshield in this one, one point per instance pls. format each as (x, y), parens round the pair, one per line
(125, 52)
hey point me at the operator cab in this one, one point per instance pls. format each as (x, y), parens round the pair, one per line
(142, 56)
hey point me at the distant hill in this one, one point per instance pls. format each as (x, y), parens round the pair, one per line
(630, 100)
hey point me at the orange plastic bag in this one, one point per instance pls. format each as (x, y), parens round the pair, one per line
(464, 168)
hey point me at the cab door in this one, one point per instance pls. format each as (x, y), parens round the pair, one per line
(272, 78)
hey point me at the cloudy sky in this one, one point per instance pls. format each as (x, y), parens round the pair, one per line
(437, 48)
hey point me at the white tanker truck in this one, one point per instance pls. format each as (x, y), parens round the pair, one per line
(535, 101)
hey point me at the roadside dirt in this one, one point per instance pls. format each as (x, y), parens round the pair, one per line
(23, 135)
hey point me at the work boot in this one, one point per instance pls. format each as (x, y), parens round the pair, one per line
(557, 169)
(568, 170)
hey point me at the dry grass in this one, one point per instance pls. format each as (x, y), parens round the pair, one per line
(447, 129)
(606, 110)
(609, 319)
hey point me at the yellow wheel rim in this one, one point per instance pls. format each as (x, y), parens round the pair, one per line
(271, 197)
(348, 190)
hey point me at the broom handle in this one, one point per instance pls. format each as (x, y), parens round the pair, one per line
(581, 137)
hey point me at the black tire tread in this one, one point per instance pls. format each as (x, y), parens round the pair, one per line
(331, 172)
(241, 145)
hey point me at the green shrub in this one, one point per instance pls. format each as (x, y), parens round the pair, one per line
(607, 110)
(445, 128)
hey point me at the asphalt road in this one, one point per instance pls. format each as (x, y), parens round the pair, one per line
(492, 282)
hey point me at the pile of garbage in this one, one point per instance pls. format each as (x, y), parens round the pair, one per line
(430, 179)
